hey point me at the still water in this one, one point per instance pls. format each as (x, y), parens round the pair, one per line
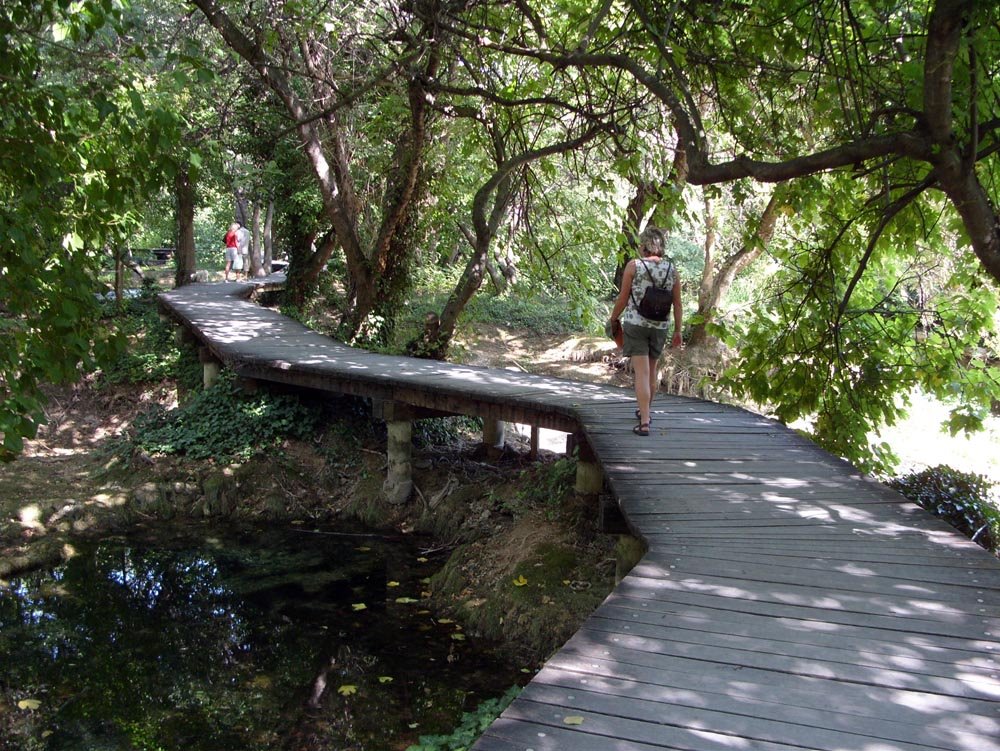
(209, 640)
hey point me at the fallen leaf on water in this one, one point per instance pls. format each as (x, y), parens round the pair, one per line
(392, 584)
(385, 679)
(421, 559)
(405, 600)
(445, 621)
(31, 704)
(359, 606)
(347, 689)
(573, 719)
(458, 637)
(363, 549)
(520, 581)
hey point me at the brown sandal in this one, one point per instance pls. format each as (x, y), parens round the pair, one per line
(641, 429)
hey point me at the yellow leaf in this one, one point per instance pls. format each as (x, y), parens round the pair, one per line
(421, 559)
(347, 689)
(405, 600)
(520, 581)
(573, 719)
(363, 549)
(392, 584)
(31, 704)
(445, 621)
(47, 733)
(359, 606)
(458, 637)
(385, 679)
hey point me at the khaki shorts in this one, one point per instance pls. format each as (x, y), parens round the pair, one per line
(234, 259)
(643, 340)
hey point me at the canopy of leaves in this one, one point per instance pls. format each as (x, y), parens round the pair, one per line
(78, 145)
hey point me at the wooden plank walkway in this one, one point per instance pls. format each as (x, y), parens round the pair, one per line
(786, 601)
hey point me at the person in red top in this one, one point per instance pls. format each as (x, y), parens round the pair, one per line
(234, 260)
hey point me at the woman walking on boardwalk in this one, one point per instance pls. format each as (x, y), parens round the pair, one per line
(645, 337)
(234, 261)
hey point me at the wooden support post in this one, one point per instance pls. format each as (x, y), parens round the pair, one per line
(533, 451)
(210, 367)
(628, 552)
(589, 478)
(248, 386)
(494, 437)
(398, 485)
(184, 337)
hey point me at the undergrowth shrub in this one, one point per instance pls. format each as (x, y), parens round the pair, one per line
(543, 315)
(151, 353)
(223, 423)
(470, 727)
(960, 498)
(445, 431)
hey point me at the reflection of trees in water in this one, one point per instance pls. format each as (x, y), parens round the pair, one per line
(242, 645)
(136, 633)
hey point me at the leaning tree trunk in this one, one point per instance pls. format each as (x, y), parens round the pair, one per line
(184, 253)
(714, 287)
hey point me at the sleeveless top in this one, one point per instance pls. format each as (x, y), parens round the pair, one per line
(648, 271)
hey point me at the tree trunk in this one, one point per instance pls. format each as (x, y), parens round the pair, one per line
(184, 253)
(240, 210)
(255, 264)
(268, 237)
(715, 287)
(634, 212)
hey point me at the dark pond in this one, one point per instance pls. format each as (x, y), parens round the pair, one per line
(235, 640)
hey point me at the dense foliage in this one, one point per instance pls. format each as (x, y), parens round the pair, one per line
(960, 498)
(833, 163)
(224, 424)
(80, 145)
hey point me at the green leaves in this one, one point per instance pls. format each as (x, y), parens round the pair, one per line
(223, 424)
(76, 158)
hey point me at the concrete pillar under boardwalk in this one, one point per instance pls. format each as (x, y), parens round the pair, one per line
(210, 367)
(589, 477)
(398, 485)
(494, 436)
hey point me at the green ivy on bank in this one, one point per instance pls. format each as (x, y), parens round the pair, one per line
(223, 423)
(470, 727)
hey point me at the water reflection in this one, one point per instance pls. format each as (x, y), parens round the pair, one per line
(274, 640)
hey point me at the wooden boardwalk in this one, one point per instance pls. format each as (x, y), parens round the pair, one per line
(785, 602)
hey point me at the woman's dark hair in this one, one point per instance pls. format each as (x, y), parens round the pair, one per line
(652, 241)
